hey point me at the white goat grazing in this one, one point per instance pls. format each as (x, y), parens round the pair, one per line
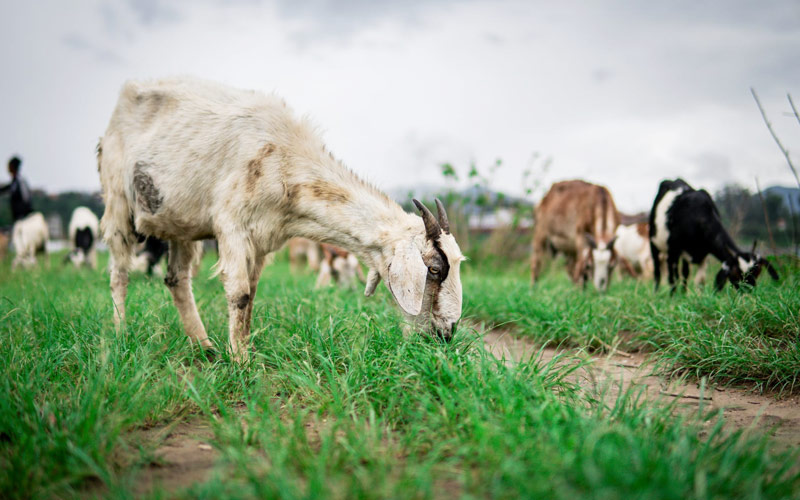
(633, 249)
(83, 231)
(301, 249)
(184, 160)
(30, 237)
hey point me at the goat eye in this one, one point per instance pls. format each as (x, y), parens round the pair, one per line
(433, 270)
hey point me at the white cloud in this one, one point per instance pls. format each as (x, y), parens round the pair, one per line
(621, 93)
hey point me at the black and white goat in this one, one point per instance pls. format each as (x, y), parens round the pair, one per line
(685, 226)
(148, 258)
(83, 232)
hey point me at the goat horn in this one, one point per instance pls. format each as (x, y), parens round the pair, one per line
(755, 244)
(442, 217)
(432, 228)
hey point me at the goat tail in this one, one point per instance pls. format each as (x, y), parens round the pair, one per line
(116, 224)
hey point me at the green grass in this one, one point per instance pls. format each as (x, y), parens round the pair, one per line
(338, 404)
(730, 337)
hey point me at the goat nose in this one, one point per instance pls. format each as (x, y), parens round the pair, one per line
(445, 334)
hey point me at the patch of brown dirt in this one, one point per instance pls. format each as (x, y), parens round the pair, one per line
(606, 375)
(183, 456)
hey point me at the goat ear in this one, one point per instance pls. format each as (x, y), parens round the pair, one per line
(722, 277)
(610, 245)
(590, 240)
(771, 270)
(755, 244)
(406, 280)
(373, 278)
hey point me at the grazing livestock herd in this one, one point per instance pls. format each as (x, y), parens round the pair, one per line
(184, 160)
(580, 220)
(331, 263)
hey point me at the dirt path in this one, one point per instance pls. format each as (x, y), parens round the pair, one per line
(183, 457)
(608, 374)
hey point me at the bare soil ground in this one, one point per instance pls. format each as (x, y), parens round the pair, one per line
(605, 375)
(183, 456)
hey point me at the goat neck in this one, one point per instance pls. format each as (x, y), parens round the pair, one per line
(332, 205)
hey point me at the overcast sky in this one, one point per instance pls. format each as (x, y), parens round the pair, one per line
(623, 93)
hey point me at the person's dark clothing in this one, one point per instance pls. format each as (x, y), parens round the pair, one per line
(21, 204)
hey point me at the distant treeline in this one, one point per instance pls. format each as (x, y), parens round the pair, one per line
(749, 216)
(61, 204)
(742, 212)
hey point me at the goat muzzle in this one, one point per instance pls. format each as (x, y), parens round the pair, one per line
(446, 334)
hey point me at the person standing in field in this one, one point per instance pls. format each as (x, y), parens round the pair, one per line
(21, 204)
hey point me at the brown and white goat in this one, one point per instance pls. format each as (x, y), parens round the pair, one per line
(3, 245)
(577, 219)
(339, 266)
(185, 160)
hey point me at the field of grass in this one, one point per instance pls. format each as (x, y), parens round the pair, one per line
(336, 403)
(729, 337)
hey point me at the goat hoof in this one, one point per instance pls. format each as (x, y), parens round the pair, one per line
(210, 354)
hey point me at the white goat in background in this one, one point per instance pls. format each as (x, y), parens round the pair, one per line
(83, 232)
(302, 249)
(185, 160)
(339, 266)
(30, 236)
(633, 249)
